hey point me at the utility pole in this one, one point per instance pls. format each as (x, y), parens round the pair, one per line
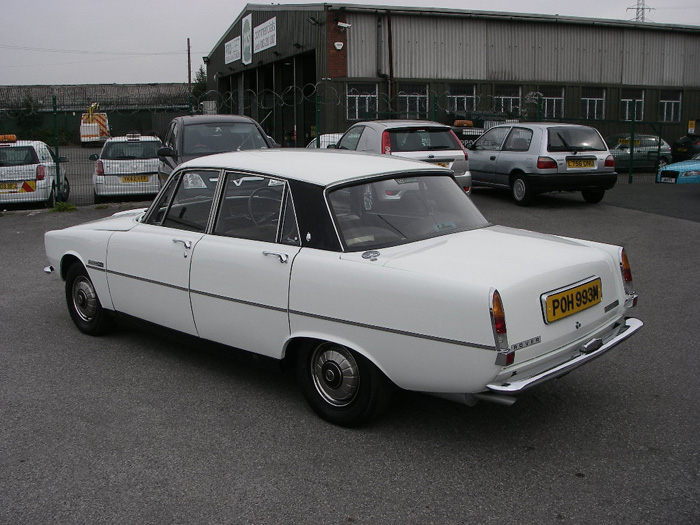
(640, 10)
(189, 67)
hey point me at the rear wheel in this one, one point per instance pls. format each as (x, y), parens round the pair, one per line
(51, 201)
(521, 190)
(65, 190)
(593, 195)
(83, 304)
(341, 386)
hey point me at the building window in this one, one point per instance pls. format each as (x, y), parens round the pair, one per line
(552, 102)
(670, 105)
(593, 103)
(507, 100)
(361, 101)
(412, 101)
(632, 104)
(462, 99)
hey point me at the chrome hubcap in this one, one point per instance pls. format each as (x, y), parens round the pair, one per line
(335, 374)
(84, 299)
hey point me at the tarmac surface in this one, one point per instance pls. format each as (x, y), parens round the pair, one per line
(144, 426)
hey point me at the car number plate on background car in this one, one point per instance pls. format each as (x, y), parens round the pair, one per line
(668, 179)
(559, 304)
(580, 163)
(135, 178)
(8, 185)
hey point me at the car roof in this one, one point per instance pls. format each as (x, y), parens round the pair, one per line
(21, 143)
(140, 139)
(206, 119)
(389, 124)
(322, 167)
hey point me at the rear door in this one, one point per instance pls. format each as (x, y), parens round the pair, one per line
(240, 273)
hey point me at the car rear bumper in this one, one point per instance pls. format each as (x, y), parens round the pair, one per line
(572, 182)
(591, 350)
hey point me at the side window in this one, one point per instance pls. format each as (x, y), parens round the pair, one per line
(251, 207)
(518, 140)
(186, 202)
(43, 153)
(492, 139)
(351, 138)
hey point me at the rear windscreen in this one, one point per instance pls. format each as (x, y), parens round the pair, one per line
(18, 156)
(572, 138)
(131, 150)
(423, 139)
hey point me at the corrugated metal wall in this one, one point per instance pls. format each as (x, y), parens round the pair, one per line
(438, 47)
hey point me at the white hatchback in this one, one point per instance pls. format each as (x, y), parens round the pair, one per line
(127, 166)
(28, 172)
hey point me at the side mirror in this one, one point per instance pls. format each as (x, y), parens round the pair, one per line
(166, 151)
(62, 159)
(94, 156)
(332, 146)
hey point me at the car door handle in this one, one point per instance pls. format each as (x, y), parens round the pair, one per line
(493, 157)
(186, 243)
(283, 257)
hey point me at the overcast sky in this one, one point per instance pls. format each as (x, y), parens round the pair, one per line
(141, 41)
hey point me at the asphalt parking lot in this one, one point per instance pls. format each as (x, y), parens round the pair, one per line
(142, 426)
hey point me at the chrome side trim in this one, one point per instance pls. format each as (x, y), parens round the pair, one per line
(618, 334)
(392, 330)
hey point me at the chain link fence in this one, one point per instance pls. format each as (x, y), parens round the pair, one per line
(73, 168)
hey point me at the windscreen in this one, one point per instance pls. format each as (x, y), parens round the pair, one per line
(219, 137)
(403, 209)
(574, 138)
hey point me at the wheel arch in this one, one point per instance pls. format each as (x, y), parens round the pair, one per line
(67, 261)
(296, 343)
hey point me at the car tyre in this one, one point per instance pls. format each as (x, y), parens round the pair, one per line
(521, 190)
(340, 385)
(65, 190)
(98, 199)
(593, 195)
(83, 304)
(51, 201)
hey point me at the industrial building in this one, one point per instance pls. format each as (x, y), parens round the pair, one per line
(317, 68)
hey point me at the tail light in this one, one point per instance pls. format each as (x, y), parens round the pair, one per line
(505, 356)
(610, 162)
(40, 172)
(99, 168)
(464, 150)
(546, 163)
(386, 143)
(626, 272)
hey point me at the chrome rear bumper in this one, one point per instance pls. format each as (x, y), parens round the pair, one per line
(589, 351)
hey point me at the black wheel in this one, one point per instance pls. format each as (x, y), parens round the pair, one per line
(98, 199)
(51, 201)
(521, 190)
(341, 386)
(593, 195)
(65, 190)
(83, 304)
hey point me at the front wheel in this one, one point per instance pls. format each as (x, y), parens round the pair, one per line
(83, 304)
(593, 195)
(521, 190)
(341, 386)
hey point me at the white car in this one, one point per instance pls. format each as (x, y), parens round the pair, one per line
(277, 252)
(28, 172)
(127, 166)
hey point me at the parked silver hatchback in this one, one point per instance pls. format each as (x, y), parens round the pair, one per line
(412, 139)
(532, 158)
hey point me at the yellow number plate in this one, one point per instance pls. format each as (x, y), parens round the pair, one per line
(8, 185)
(135, 178)
(580, 163)
(563, 303)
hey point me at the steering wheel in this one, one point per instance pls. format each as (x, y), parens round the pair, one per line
(261, 217)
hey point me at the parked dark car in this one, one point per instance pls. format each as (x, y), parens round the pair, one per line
(650, 152)
(194, 136)
(685, 147)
